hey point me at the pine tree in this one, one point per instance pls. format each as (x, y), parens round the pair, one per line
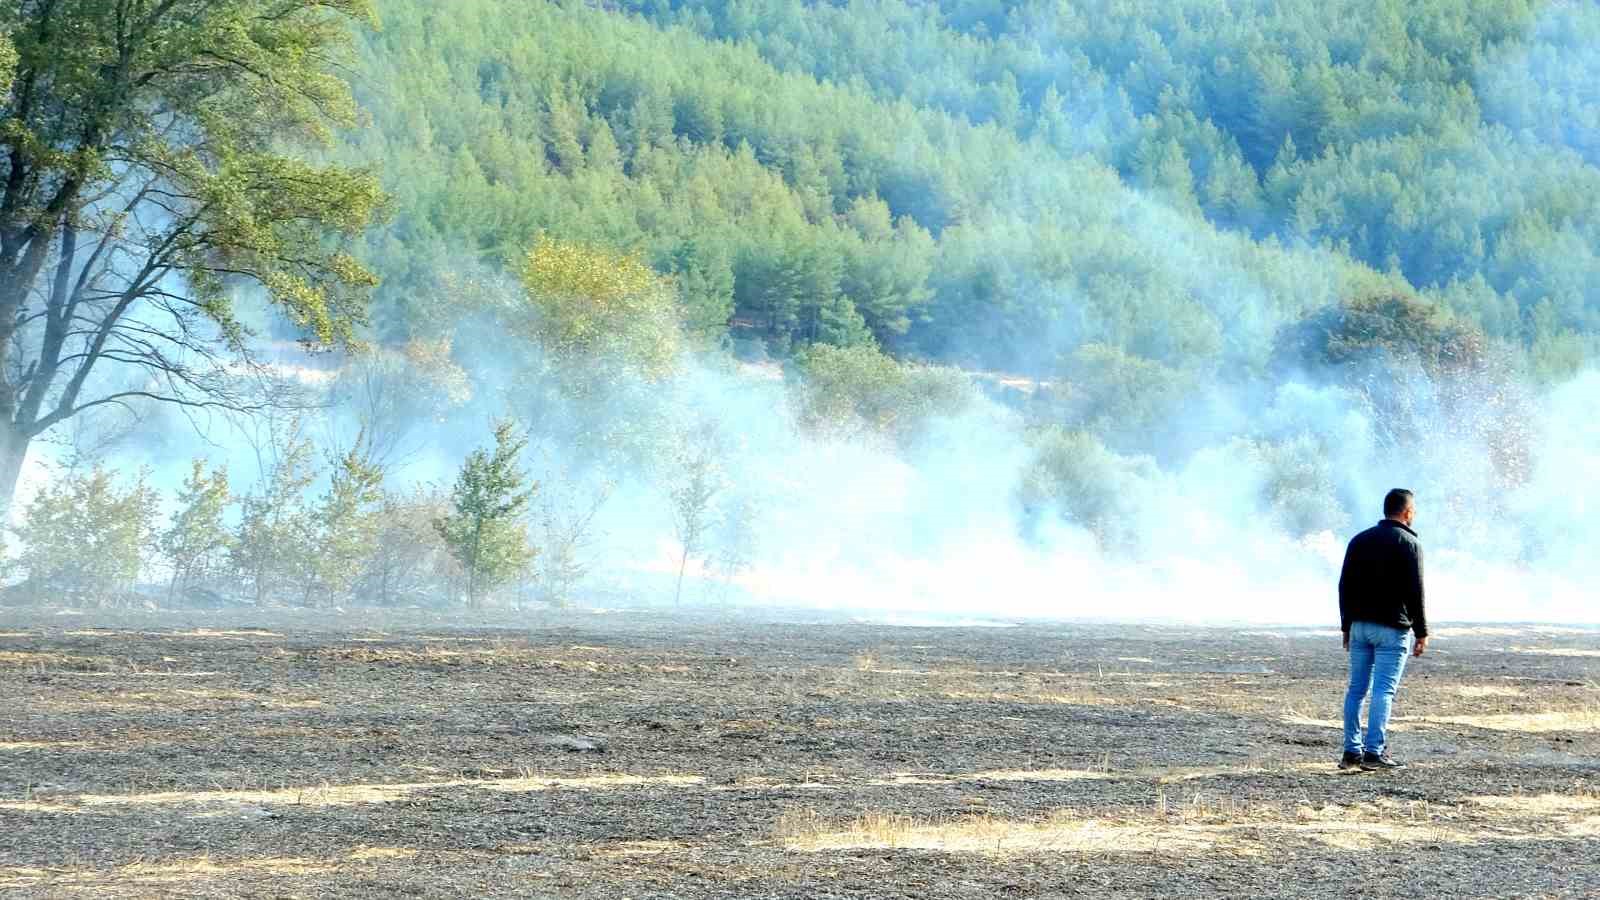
(484, 527)
(699, 481)
(345, 522)
(197, 542)
(272, 543)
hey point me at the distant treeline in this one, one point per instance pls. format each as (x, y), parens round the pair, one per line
(1000, 185)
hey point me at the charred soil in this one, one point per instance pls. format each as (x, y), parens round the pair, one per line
(631, 754)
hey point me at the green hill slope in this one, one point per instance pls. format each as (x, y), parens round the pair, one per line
(801, 210)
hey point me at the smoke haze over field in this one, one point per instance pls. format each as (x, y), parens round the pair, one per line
(850, 522)
(1218, 482)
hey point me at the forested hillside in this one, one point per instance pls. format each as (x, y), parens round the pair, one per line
(997, 185)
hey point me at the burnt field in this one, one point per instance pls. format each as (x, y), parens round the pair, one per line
(634, 755)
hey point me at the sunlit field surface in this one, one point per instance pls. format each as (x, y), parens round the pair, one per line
(635, 755)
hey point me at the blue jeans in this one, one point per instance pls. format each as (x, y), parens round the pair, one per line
(1377, 658)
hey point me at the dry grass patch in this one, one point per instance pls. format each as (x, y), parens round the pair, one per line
(24, 746)
(1541, 804)
(1480, 691)
(1533, 723)
(1026, 688)
(1047, 697)
(1205, 823)
(365, 854)
(346, 794)
(239, 633)
(490, 655)
(1104, 773)
(152, 873)
(1309, 722)
(1023, 775)
(1197, 773)
(45, 660)
(1557, 651)
(1062, 832)
(624, 849)
(171, 698)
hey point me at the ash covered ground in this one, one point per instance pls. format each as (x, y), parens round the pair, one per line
(632, 754)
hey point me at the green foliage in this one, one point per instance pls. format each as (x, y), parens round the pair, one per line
(590, 304)
(1298, 487)
(1386, 328)
(147, 149)
(197, 541)
(200, 98)
(860, 391)
(484, 526)
(8, 63)
(345, 524)
(1073, 476)
(703, 271)
(564, 522)
(697, 480)
(274, 542)
(1119, 396)
(1422, 374)
(85, 539)
(409, 562)
(854, 213)
(1444, 141)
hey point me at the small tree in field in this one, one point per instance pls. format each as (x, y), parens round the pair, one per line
(484, 528)
(408, 558)
(197, 542)
(86, 539)
(693, 493)
(344, 524)
(734, 539)
(564, 522)
(271, 545)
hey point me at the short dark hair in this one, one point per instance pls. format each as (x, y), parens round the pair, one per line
(1396, 501)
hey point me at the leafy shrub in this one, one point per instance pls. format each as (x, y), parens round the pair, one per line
(484, 525)
(852, 391)
(86, 539)
(1076, 477)
(197, 542)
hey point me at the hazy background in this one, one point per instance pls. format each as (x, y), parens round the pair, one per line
(1110, 264)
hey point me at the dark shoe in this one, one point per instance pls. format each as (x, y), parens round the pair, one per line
(1349, 761)
(1373, 762)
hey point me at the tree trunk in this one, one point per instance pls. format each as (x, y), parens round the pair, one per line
(472, 567)
(13, 452)
(683, 563)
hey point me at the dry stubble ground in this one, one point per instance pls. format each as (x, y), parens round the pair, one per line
(312, 755)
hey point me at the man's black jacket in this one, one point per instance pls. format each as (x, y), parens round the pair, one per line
(1382, 579)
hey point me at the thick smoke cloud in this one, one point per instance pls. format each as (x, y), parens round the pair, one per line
(938, 528)
(853, 522)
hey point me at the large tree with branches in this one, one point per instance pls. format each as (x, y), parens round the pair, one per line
(148, 175)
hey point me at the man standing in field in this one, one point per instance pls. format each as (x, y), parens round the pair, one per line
(1380, 599)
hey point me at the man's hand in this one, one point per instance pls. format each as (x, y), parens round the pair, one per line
(1347, 642)
(1420, 647)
